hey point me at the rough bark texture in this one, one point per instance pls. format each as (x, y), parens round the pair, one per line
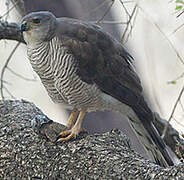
(10, 31)
(25, 154)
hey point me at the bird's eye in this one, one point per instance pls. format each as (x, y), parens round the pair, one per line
(36, 21)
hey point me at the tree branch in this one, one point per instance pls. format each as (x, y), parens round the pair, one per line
(27, 155)
(4, 68)
(19, 5)
(10, 31)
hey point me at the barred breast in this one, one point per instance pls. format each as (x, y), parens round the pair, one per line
(57, 69)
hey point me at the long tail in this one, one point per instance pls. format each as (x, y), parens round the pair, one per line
(142, 124)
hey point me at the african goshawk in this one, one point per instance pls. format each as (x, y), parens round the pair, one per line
(85, 69)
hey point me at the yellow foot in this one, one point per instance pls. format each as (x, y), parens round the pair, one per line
(70, 134)
(76, 129)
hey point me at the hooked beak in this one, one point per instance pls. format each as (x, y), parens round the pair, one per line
(24, 27)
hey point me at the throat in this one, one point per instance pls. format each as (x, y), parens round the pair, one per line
(39, 57)
(31, 40)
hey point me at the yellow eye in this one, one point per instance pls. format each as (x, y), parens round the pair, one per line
(36, 21)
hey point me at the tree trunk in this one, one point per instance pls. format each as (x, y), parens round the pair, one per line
(28, 151)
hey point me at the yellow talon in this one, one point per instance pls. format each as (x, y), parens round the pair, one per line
(76, 129)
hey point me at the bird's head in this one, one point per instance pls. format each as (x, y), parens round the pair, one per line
(38, 27)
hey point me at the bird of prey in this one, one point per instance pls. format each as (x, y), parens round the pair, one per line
(85, 69)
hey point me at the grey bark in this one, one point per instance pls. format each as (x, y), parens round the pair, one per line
(28, 151)
(10, 31)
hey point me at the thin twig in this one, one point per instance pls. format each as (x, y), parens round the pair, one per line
(178, 122)
(7, 3)
(5, 66)
(132, 25)
(109, 22)
(128, 2)
(179, 77)
(6, 82)
(129, 25)
(98, 7)
(108, 9)
(163, 34)
(177, 29)
(9, 10)
(182, 107)
(20, 76)
(180, 14)
(172, 113)
(126, 11)
(6, 89)
(19, 6)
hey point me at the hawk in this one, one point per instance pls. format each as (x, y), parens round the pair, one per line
(85, 69)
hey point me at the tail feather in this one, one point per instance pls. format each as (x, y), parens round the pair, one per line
(142, 124)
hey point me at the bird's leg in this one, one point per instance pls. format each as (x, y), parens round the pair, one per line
(72, 118)
(75, 130)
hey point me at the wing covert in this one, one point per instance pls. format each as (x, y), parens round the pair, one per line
(101, 59)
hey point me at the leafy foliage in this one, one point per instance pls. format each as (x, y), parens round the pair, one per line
(179, 5)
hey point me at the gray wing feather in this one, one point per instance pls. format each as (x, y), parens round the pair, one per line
(99, 55)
